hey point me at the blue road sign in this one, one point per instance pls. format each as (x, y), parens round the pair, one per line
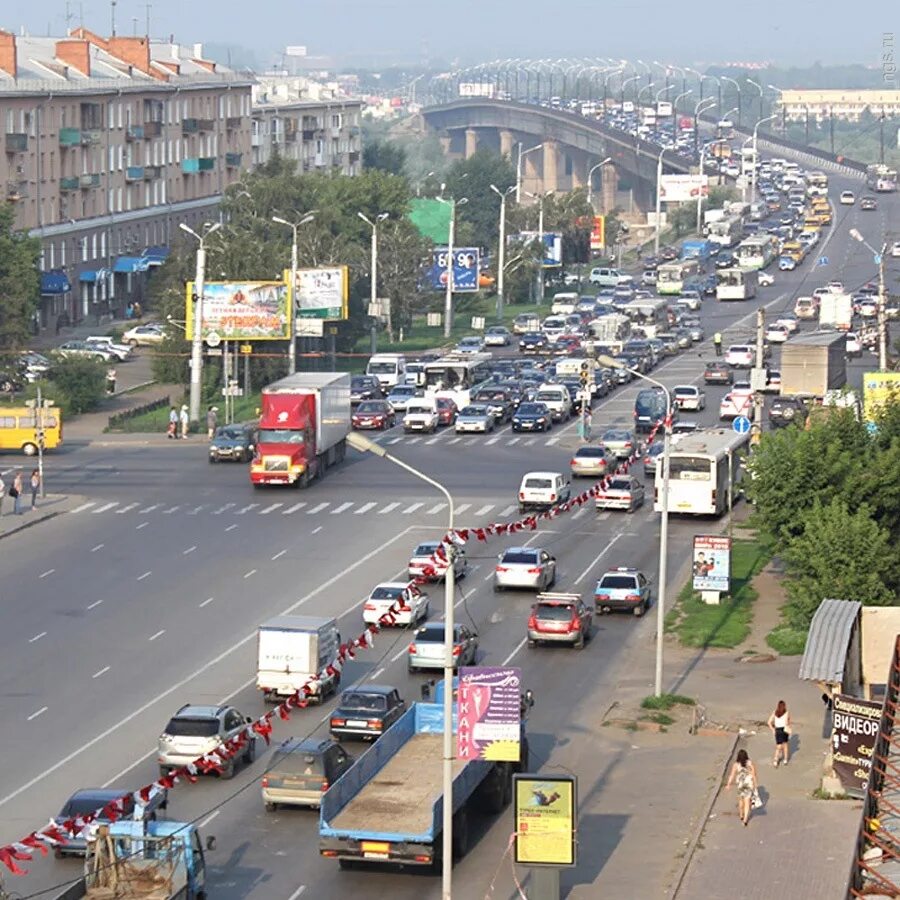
(466, 268)
(823, 260)
(877, 258)
(741, 424)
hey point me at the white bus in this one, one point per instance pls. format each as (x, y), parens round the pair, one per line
(651, 316)
(736, 284)
(457, 376)
(726, 232)
(674, 277)
(756, 252)
(881, 178)
(705, 471)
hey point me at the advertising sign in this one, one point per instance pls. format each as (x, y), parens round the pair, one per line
(879, 388)
(552, 245)
(712, 563)
(490, 712)
(477, 89)
(320, 293)
(545, 810)
(241, 310)
(466, 266)
(680, 188)
(598, 233)
(854, 730)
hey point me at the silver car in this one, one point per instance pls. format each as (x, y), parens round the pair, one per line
(619, 441)
(475, 417)
(427, 648)
(197, 730)
(592, 461)
(300, 771)
(423, 561)
(622, 492)
(525, 567)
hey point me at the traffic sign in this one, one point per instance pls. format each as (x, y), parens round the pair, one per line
(213, 339)
(741, 425)
(246, 348)
(877, 258)
(823, 260)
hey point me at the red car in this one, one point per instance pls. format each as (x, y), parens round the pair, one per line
(373, 414)
(446, 410)
(567, 344)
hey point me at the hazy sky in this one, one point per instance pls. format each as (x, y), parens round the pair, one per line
(690, 31)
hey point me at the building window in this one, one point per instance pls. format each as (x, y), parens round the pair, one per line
(94, 246)
(84, 249)
(119, 200)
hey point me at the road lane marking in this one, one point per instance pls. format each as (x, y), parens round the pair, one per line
(84, 506)
(578, 513)
(222, 509)
(145, 575)
(294, 508)
(484, 510)
(597, 558)
(462, 508)
(48, 572)
(159, 633)
(298, 892)
(189, 550)
(492, 440)
(147, 509)
(40, 712)
(339, 509)
(412, 508)
(316, 530)
(414, 440)
(231, 527)
(317, 508)
(105, 507)
(206, 602)
(245, 509)
(604, 515)
(95, 604)
(196, 509)
(364, 508)
(209, 818)
(250, 574)
(102, 671)
(433, 440)
(389, 508)
(142, 525)
(272, 508)
(454, 440)
(551, 441)
(399, 653)
(171, 509)
(435, 509)
(377, 672)
(179, 685)
(37, 637)
(125, 509)
(514, 440)
(508, 510)
(98, 547)
(395, 440)
(278, 555)
(517, 648)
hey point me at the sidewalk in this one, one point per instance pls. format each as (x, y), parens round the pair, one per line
(89, 427)
(49, 508)
(48, 338)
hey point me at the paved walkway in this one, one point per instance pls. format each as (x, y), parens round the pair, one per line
(47, 508)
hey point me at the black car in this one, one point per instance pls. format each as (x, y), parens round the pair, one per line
(364, 387)
(725, 260)
(718, 373)
(868, 203)
(366, 712)
(232, 442)
(532, 417)
(532, 342)
(500, 403)
(786, 410)
(708, 286)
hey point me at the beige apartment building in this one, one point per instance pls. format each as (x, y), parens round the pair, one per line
(307, 122)
(110, 143)
(844, 104)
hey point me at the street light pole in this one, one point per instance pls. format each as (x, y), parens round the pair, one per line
(659, 163)
(754, 170)
(882, 312)
(448, 294)
(197, 336)
(590, 178)
(519, 169)
(540, 200)
(373, 289)
(364, 444)
(292, 344)
(501, 249)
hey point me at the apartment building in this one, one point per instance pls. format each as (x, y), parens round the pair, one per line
(306, 121)
(108, 144)
(848, 105)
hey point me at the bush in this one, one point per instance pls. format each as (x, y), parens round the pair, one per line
(74, 385)
(786, 640)
(666, 701)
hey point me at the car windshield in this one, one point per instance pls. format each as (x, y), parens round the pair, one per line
(358, 384)
(539, 483)
(430, 634)
(382, 592)
(592, 452)
(370, 407)
(280, 436)
(81, 806)
(470, 342)
(685, 391)
(520, 556)
(616, 436)
(426, 549)
(619, 484)
(556, 612)
(474, 411)
(690, 468)
(403, 391)
(297, 762)
(182, 727)
(618, 582)
(368, 702)
(484, 396)
(382, 368)
(230, 434)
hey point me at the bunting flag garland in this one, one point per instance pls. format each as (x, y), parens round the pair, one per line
(54, 835)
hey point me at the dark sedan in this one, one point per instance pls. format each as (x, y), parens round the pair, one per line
(718, 373)
(364, 387)
(366, 712)
(232, 442)
(533, 342)
(500, 404)
(532, 417)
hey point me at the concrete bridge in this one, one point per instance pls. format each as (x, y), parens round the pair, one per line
(571, 145)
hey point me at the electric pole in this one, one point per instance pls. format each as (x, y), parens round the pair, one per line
(760, 373)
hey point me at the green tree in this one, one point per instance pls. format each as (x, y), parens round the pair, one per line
(387, 156)
(401, 251)
(472, 178)
(76, 384)
(19, 281)
(841, 555)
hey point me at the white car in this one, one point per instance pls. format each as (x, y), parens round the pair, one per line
(854, 344)
(688, 396)
(848, 198)
(742, 389)
(789, 320)
(766, 279)
(868, 308)
(144, 336)
(82, 348)
(471, 344)
(413, 604)
(773, 382)
(421, 415)
(739, 356)
(120, 351)
(733, 406)
(895, 248)
(497, 336)
(691, 299)
(424, 564)
(777, 334)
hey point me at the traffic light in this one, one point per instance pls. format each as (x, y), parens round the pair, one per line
(584, 378)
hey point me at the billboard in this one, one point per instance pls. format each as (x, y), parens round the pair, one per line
(320, 293)
(477, 89)
(241, 310)
(879, 388)
(712, 563)
(598, 233)
(489, 706)
(545, 811)
(680, 188)
(855, 725)
(552, 245)
(466, 266)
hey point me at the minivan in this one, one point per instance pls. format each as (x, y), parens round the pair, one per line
(609, 277)
(542, 490)
(564, 303)
(557, 399)
(649, 409)
(388, 368)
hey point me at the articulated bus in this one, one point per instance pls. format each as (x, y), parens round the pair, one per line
(736, 284)
(756, 252)
(457, 376)
(651, 316)
(881, 178)
(675, 277)
(705, 471)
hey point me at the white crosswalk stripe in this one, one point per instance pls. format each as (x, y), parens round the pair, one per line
(435, 509)
(272, 508)
(414, 440)
(125, 509)
(317, 508)
(484, 510)
(463, 507)
(433, 440)
(364, 508)
(508, 510)
(395, 440)
(147, 509)
(388, 509)
(196, 510)
(172, 509)
(221, 509)
(339, 509)
(412, 508)
(514, 440)
(530, 442)
(294, 508)
(492, 440)
(84, 506)
(454, 440)
(105, 507)
(245, 509)
(551, 441)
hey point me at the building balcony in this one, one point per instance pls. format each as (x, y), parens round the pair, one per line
(151, 173)
(152, 129)
(206, 124)
(69, 184)
(16, 190)
(134, 133)
(69, 137)
(190, 126)
(233, 160)
(198, 164)
(16, 142)
(85, 182)
(232, 123)
(134, 173)
(353, 156)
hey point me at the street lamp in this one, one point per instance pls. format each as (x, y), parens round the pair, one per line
(624, 84)
(292, 344)
(737, 87)
(540, 200)
(753, 171)
(590, 178)
(759, 88)
(675, 110)
(662, 91)
(648, 86)
(697, 110)
(448, 295)
(659, 163)
(519, 169)
(197, 337)
(501, 249)
(373, 291)
(365, 445)
(882, 313)
(612, 363)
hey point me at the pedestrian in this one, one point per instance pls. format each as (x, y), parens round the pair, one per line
(35, 486)
(15, 492)
(172, 430)
(111, 380)
(780, 725)
(743, 774)
(185, 421)
(136, 310)
(212, 418)
(2, 493)
(717, 342)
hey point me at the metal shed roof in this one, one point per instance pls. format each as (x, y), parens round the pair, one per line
(828, 640)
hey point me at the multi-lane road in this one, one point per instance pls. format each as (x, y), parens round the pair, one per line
(148, 594)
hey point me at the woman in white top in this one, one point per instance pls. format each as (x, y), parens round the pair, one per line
(780, 723)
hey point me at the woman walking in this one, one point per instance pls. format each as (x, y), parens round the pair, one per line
(743, 774)
(16, 493)
(780, 723)
(35, 486)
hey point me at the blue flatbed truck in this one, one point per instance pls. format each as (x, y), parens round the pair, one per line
(388, 807)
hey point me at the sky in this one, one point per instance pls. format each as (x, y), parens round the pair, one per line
(382, 32)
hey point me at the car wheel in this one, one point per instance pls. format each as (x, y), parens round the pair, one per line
(227, 772)
(497, 588)
(640, 609)
(579, 644)
(133, 343)
(270, 807)
(250, 755)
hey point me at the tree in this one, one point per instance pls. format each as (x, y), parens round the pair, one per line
(472, 178)
(19, 281)
(841, 555)
(401, 250)
(386, 156)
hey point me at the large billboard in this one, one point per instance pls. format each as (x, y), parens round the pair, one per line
(552, 245)
(545, 810)
(466, 268)
(598, 233)
(681, 188)
(320, 293)
(477, 89)
(712, 563)
(855, 725)
(490, 712)
(241, 311)
(879, 388)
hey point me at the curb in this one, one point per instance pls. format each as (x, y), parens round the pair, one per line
(8, 532)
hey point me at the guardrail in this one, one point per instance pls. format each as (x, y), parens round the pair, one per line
(118, 420)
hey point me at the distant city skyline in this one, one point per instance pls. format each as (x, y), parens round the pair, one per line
(469, 31)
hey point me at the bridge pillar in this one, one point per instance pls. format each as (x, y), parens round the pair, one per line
(531, 180)
(446, 143)
(608, 187)
(471, 142)
(550, 179)
(579, 170)
(507, 142)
